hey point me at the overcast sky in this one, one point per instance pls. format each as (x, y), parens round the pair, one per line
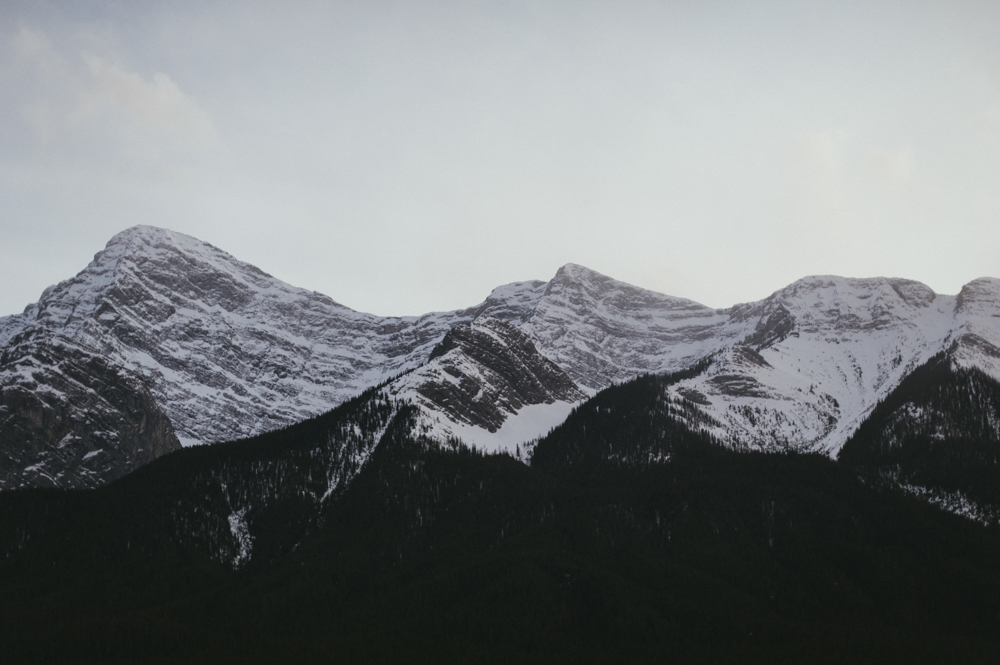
(403, 157)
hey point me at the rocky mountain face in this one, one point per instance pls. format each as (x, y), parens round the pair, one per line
(977, 334)
(814, 359)
(224, 351)
(601, 331)
(487, 384)
(69, 418)
(227, 350)
(798, 370)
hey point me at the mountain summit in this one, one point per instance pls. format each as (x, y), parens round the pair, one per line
(164, 340)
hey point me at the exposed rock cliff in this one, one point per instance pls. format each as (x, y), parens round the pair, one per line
(478, 383)
(69, 418)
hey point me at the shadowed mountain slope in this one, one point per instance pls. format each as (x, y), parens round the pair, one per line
(938, 436)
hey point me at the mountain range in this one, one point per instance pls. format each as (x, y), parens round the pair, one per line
(165, 341)
(576, 470)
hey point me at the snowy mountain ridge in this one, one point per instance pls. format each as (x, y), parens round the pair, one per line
(798, 370)
(833, 348)
(227, 351)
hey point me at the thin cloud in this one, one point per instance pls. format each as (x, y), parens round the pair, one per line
(69, 100)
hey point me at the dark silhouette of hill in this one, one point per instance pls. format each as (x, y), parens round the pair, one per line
(630, 538)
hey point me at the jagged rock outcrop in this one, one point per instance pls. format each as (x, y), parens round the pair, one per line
(70, 418)
(226, 350)
(479, 381)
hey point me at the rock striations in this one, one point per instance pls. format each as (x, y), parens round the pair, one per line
(487, 384)
(813, 359)
(70, 418)
(165, 339)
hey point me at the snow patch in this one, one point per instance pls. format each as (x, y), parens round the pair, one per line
(238, 527)
(531, 422)
(953, 502)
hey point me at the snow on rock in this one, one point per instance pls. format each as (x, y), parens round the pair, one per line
(226, 351)
(69, 418)
(516, 436)
(800, 369)
(977, 334)
(487, 385)
(600, 330)
(241, 532)
(817, 357)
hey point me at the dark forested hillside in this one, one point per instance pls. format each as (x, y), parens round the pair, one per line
(261, 495)
(629, 539)
(938, 434)
(633, 425)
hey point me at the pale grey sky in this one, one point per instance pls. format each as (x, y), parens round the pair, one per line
(403, 157)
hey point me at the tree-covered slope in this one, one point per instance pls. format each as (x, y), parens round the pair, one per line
(436, 553)
(937, 434)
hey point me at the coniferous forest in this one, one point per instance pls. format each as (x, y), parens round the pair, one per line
(938, 429)
(629, 538)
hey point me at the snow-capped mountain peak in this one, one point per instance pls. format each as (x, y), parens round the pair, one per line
(227, 351)
(977, 330)
(226, 348)
(830, 349)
